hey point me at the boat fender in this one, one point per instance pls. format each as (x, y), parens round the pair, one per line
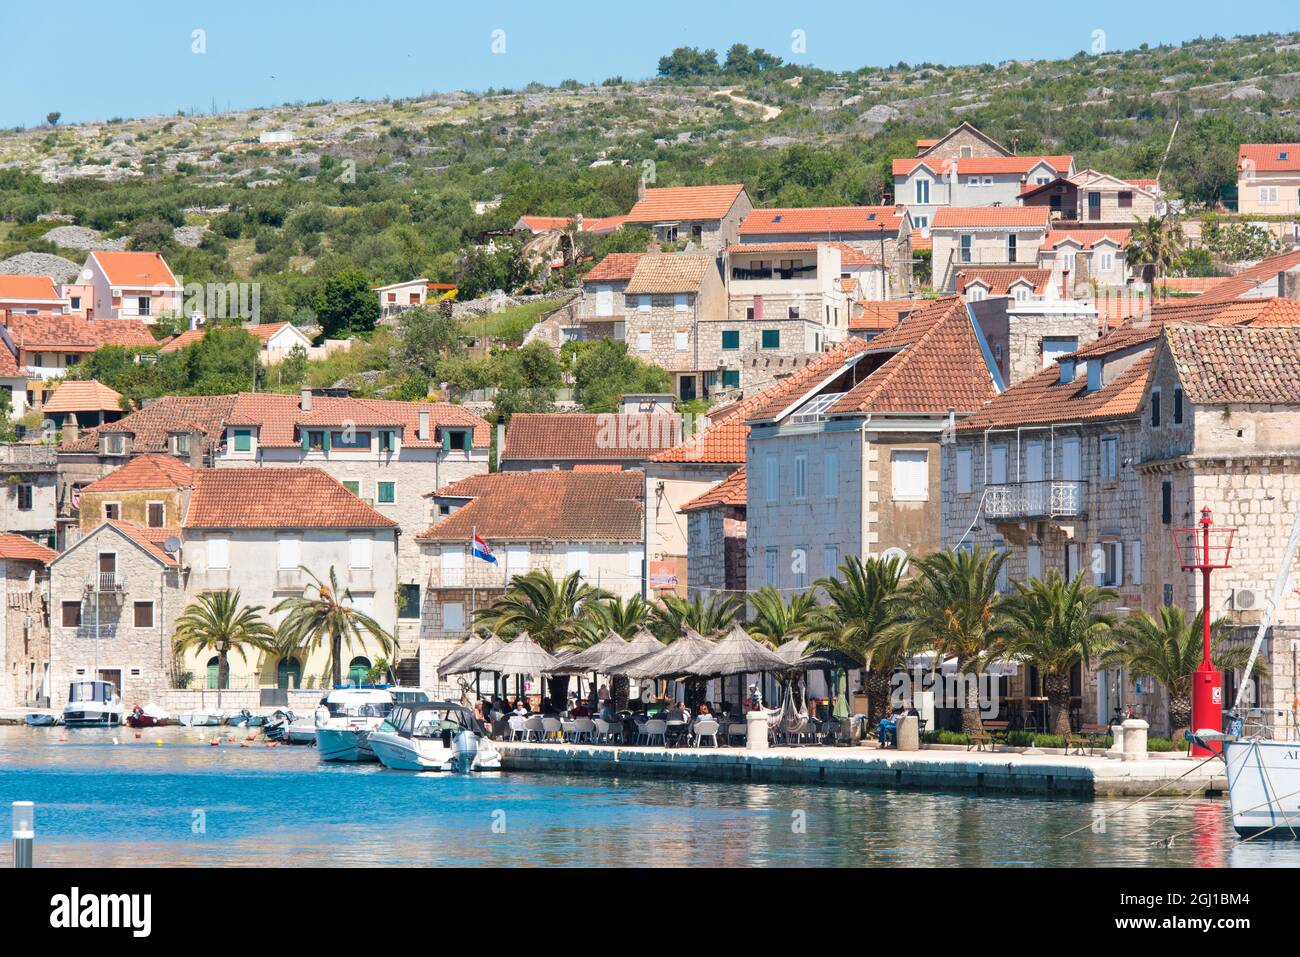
(215, 742)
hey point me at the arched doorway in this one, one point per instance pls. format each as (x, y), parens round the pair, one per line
(214, 670)
(288, 673)
(357, 669)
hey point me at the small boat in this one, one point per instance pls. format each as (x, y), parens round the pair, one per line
(434, 736)
(1263, 781)
(198, 719)
(345, 719)
(277, 725)
(238, 719)
(150, 716)
(92, 704)
(39, 719)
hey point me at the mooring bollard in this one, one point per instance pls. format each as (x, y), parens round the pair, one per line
(24, 832)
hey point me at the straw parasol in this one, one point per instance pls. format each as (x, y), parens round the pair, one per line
(612, 646)
(792, 649)
(522, 656)
(643, 643)
(736, 654)
(466, 647)
(671, 660)
(474, 660)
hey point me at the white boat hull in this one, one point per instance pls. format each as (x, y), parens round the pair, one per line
(198, 719)
(301, 732)
(344, 744)
(1264, 787)
(401, 753)
(89, 714)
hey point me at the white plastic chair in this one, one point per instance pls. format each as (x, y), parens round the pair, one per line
(706, 728)
(551, 729)
(533, 729)
(607, 731)
(655, 729)
(566, 729)
(517, 729)
(584, 728)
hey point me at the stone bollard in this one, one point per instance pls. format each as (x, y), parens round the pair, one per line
(1116, 749)
(756, 731)
(1135, 739)
(909, 733)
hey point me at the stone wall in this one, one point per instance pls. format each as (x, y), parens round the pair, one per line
(26, 631)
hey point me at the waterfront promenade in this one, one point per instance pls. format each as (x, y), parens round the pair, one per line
(1072, 775)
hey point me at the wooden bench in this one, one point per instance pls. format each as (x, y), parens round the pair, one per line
(1088, 735)
(991, 733)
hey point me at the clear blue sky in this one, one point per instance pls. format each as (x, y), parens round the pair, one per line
(95, 60)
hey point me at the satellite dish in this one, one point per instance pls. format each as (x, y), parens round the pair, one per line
(898, 555)
(171, 545)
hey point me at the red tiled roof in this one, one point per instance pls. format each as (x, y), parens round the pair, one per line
(680, 272)
(995, 217)
(852, 256)
(135, 269)
(546, 223)
(1246, 281)
(28, 289)
(938, 365)
(262, 331)
(1042, 398)
(1086, 238)
(879, 315)
(1189, 284)
(921, 240)
(9, 363)
(730, 492)
(1269, 157)
(276, 498)
(614, 267)
(678, 203)
(568, 436)
(822, 219)
(547, 506)
(149, 539)
(88, 395)
(276, 415)
(71, 333)
(983, 165)
(723, 441)
(122, 332)
(17, 547)
(1269, 311)
(1237, 364)
(152, 425)
(999, 280)
(807, 246)
(143, 472)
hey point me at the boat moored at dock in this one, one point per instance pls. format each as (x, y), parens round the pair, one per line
(345, 719)
(92, 704)
(434, 736)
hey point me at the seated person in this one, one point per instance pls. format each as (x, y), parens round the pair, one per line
(887, 729)
(521, 707)
(606, 710)
(580, 710)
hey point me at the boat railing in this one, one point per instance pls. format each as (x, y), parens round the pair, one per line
(1273, 724)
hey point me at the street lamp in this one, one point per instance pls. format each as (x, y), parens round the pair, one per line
(1205, 547)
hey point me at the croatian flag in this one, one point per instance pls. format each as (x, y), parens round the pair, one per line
(481, 550)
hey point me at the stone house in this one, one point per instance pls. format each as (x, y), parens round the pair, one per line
(716, 531)
(589, 522)
(709, 217)
(1096, 199)
(24, 602)
(150, 491)
(1028, 334)
(602, 306)
(849, 465)
(132, 285)
(1268, 179)
(965, 238)
(28, 497)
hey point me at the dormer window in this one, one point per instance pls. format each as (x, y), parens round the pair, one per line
(1094, 375)
(181, 444)
(1067, 371)
(1284, 155)
(115, 445)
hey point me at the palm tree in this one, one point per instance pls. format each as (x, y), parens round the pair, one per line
(214, 622)
(624, 617)
(553, 611)
(1156, 242)
(953, 607)
(707, 616)
(861, 607)
(1169, 649)
(1055, 624)
(774, 620)
(327, 616)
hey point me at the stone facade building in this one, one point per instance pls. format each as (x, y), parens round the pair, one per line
(964, 238)
(717, 534)
(24, 602)
(707, 217)
(879, 234)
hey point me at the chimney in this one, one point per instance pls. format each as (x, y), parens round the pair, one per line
(70, 430)
(640, 187)
(197, 440)
(424, 425)
(305, 402)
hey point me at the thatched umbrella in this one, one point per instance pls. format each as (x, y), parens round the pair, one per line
(737, 654)
(594, 658)
(792, 649)
(643, 643)
(473, 661)
(466, 647)
(522, 656)
(671, 661)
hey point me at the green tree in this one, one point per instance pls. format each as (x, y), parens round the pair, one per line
(1157, 243)
(604, 372)
(225, 360)
(346, 305)
(216, 623)
(1057, 624)
(953, 607)
(775, 620)
(53, 118)
(427, 338)
(326, 615)
(688, 62)
(709, 616)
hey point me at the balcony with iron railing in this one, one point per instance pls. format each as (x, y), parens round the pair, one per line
(1045, 499)
(105, 582)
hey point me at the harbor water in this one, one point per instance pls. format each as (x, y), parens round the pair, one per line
(105, 798)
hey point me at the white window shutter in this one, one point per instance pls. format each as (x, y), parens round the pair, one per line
(1135, 562)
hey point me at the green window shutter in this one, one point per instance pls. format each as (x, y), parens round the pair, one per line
(731, 339)
(325, 440)
(305, 440)
(771, 338)
(386, 492)
(243, 440)
(731, 378)
(446, 440)
(353, 487)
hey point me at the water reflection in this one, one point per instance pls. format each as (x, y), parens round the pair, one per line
(136, 803)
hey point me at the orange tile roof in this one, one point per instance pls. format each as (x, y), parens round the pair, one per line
(730, 492)
(1246, 281)
(723, 441)
(880, 315)
(262, 331)
(71, 333)
(983, 165)
(792, 247)
(680, 272)
(276, 416)
(28, 289)
(1086, 238)
(17, 547)
(122, 332)
(993, 217)
(1142, 328)
(999, 279)
(921, 239)
(144, 472)
(614, 267)
(852, 256)
(822, 219)
(682, 203)
(547, 506)
(74, 395)
(276, 498)
(546, 223)
(1269, 157)
(1042, 398)
(9, 363)
(153, 424)
(1237, 364)
(150, 540)
(135, 269)
(1189, 284)
(566, 436)
(937, 365)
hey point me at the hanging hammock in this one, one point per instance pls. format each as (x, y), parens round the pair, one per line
(791, 719)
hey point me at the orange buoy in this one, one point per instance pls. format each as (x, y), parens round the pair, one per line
(138, 735)
(243, 744)
(215, 742)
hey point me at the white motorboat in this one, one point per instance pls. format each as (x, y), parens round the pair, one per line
(434, 736)
(345, 719)
(92, 704)
(1263, 786)
(198, 719)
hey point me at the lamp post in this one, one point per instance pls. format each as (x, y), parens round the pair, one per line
(24, 817)
(1203, 548)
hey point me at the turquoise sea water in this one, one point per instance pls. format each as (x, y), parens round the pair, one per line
(186, 803)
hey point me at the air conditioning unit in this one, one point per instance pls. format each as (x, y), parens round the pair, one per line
(1245, 599)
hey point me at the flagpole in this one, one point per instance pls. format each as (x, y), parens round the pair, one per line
(473, 543)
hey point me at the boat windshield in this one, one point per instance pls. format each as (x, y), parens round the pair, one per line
(88, 691)
(431, 724)
(365, 709)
